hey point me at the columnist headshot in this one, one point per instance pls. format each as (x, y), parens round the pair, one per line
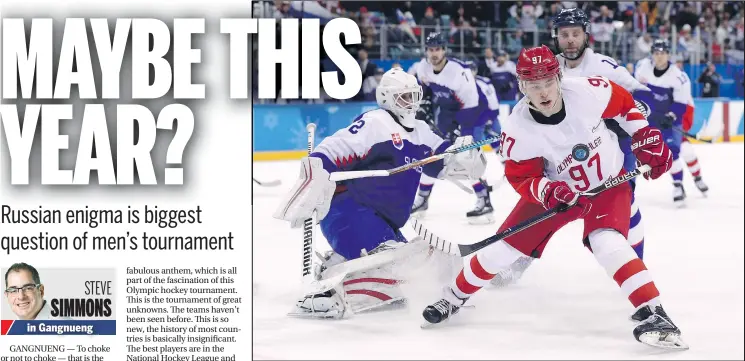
(25, 292)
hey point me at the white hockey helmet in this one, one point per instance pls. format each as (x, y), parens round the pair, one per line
(399, 93)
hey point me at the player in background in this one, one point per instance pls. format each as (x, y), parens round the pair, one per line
(503, 76)
(451, 89)
(556, 146)
(686, 149)
(363, 216)
(571, 34)
(413, 68)
(489, 103)
(667, 98)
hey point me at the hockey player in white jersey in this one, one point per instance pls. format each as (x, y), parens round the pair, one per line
(361, 217)
(571, 34)
(557, 146)
(452, 92)
(686, 149)
(503, 75)
(667, 99)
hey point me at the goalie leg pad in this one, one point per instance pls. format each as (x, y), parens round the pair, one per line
(368, 283)
(373, 289)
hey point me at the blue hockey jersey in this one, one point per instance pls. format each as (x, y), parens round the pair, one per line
(375, 141)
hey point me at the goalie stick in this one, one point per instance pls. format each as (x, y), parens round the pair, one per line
(309, 224)
(340, 176)
(273, 183)
(467, 249)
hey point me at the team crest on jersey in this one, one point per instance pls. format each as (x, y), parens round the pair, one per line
(580, 152)
(397, 141)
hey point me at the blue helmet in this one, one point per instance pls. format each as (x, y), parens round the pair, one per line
(571, 17)
(501, 52)
(472, 65)
(661, 45)
(436, 39)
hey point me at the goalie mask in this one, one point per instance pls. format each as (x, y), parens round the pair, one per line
(400, 93)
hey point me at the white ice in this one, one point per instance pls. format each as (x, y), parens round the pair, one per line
(565, 306)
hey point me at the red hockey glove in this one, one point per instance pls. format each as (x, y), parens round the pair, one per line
(558, 193)
(649, 148)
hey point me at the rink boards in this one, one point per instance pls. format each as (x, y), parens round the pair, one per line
(279, 129)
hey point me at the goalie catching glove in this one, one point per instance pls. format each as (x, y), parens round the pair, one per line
(469, 164)
(312, 192)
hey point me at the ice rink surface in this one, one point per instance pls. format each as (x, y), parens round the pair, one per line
(565, 306)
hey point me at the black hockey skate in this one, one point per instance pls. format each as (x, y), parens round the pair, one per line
(642, 314)
(679, 194)
(658, 330)
(702, 187)
(442, 309)
(482, 213)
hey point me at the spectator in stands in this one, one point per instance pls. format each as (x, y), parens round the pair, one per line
(366, 66)
(740, 83)
(687, 16)
(711, 80)
(465, 32)
(371, 84)
(739, 32)
(602, 30)
(489, 63)
(643, 46)
(527, 14)
(515, 42)
(429, 23)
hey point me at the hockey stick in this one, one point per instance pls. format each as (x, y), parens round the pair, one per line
(692, 136)
(309, 224)
(340, 176)
(273, 183)
(467, 249)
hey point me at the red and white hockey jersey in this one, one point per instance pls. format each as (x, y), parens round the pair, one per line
(578, 149)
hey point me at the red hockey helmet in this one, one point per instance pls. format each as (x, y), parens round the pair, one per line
(537, 63)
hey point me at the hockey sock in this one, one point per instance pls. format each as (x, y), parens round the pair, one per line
(425, 189)
(676, 170)
(688, 155)
(483, 267)
(622, 264)
(479, 189)
(694, 167)
(636, 229)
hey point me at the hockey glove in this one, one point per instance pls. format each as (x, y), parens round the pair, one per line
(312, 192)
(667, 121)
(470, 164)
(558, 194)
(649, 148)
